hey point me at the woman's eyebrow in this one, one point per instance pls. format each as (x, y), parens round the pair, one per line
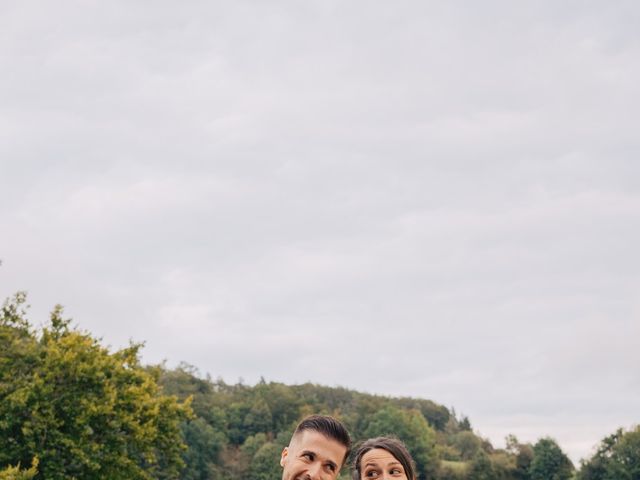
(375, 464)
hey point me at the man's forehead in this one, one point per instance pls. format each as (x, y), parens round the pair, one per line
(319, 443)
(309, 438)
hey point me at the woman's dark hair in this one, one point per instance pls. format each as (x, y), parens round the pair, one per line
(392, 445)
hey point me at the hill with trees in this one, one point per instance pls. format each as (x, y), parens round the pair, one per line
(72, 409)
(239, 431)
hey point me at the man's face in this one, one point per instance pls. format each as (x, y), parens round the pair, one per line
(312, 456)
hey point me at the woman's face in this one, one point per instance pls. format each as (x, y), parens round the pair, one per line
(379, 464)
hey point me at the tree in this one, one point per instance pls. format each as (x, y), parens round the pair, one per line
(504, 465)
(467, 443)
(617, 458)
(204, 446)
(449, 470)
(415, 432)
(480, 467)
(625, 461)
(283, 404)
(85, 412)
(549, 462)
(259, 418)
(523, 453)
(265, 463)
(465, 424)
(16, 473)
(436, 415)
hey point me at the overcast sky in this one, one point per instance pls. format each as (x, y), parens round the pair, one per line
(434, 199)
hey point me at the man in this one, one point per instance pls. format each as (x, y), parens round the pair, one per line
(317, 450)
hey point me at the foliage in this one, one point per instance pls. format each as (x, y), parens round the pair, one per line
(549, 462)
(85, 412)
(88, 413)
(617, 458)
(415, 432)
(467, 443)
(265, 463)
(254, 423)
(451, 470)
(250, 421)
(205, 446)
(481, 467)
(249, 417)
(16, 473)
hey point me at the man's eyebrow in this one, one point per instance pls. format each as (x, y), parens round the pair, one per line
(308, 452)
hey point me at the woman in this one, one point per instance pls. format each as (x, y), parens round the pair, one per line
(383, 458)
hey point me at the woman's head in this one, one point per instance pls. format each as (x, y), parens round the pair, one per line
(383, 457)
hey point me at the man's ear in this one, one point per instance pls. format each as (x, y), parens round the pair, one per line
(285, 452)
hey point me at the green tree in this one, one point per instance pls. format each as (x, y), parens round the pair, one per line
(480, 467)
(412, 428)
(236, 414)
(617, 458)
(283, 403)
(258, 418)
(549, 462)
(204, 446)
(435, 414)
(523, 453)
(265, 464)
(85, 412)
(467, 443)
(16, 473)
(625, 461)
(465, 424)
(449, 470)
(503, 464)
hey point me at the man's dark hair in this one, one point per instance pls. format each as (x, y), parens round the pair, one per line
(392, 445)
(327, 426)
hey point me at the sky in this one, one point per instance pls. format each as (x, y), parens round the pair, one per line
(416, 198)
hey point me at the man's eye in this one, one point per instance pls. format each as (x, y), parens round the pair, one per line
(308, 456)
(331, 467)
(371, 474)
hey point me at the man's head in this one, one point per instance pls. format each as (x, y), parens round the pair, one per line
(317, 450)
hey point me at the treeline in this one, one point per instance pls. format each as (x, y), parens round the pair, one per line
(239, 431)
(72, 409)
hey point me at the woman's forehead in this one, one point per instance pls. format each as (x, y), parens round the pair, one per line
(379, 455)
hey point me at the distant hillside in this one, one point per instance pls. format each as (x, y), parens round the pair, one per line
(71, 408)
(239, 430)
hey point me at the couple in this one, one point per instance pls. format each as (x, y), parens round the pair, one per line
(320, 446)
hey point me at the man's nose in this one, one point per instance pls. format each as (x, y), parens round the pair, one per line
(315, 471)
